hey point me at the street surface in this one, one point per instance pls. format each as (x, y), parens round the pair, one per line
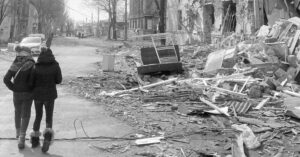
(75, 60)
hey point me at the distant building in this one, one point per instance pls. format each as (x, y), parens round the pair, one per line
(143, 16)
(219, 18)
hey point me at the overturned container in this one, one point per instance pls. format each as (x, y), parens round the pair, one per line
(160, 57)
(108, 62)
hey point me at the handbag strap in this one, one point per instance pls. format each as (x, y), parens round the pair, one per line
(19, 71)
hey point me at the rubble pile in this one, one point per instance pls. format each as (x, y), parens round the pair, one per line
(240, 101)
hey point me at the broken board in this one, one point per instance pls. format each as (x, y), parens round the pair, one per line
(147, 141)
(295, 40)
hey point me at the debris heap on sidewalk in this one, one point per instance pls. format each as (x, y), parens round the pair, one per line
(239, 101)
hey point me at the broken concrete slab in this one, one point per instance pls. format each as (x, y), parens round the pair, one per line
(293, 108)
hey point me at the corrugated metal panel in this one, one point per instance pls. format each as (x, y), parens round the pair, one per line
(240, 107)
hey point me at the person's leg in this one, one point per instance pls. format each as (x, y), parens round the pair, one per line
(35, 135)
(48, 133)
(26, 112)
(49, 107)
(18, 111)
(38, 115)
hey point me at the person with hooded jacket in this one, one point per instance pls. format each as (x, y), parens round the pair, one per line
(17, 79)
(44, 78)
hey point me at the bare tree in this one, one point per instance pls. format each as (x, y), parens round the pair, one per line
(126, 22)
(110, 7)
(4, 5)
(51, 14)
(161, 6)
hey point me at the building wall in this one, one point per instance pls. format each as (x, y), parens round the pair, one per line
(143, 17)
(207, 22)
(250, 16)
(176, 14)
(245, 17)
(219, 15)
(277, 10)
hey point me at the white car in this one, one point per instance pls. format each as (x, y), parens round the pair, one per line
(34, 43)
(37, 35)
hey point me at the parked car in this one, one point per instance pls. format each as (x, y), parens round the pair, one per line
(34, 43)
(38, 35)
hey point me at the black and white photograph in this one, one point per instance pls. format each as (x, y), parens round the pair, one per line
(150, 78)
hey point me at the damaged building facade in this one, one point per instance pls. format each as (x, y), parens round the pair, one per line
(213, 20)
(144, 16)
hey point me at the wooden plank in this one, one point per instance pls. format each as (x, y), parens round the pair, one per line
(214, 106)
(295, 40)
(225, 19)
(245, 84)
(260, 123)
(291, 93)
(143, 87)
(230, 92)
(284, 32)
(262, 103)
(147, 141)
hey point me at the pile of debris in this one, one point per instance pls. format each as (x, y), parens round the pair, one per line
(245, 98)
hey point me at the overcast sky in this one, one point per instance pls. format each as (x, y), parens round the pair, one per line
(80, 12)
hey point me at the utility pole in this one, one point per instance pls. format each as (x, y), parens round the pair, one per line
(98, 23)
(114, 5)
(126, 22)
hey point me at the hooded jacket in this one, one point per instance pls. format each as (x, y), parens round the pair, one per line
(44, 77)
(17, 77)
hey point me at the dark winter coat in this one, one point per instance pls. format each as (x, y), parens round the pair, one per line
(21, 83)
(45, 75)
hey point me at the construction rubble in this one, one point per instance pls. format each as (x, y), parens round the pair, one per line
(238, 101)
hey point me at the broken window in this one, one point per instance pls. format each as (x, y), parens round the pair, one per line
(149, 23)
(229, 22)
(179, 15)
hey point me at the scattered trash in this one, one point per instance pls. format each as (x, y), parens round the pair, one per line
(252, 85)
(247, 135)
(147, 141)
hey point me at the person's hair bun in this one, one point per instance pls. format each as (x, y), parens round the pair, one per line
(18, 48)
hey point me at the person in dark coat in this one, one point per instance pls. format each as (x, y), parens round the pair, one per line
(44, 78)
(17, 79)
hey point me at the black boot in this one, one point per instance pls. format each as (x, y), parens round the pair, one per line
(48, 139)
(35, 139)
(21, 142)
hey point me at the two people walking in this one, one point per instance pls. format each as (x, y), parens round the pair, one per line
(36, 82)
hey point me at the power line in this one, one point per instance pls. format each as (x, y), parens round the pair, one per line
(65, 5)
(76, 11)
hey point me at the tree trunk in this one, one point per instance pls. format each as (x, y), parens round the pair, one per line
(49, 40)
(114, 18)
(40, 17)
(126, 22)
(110, 21)
(13, 24)
(162, 19)
(98, 23)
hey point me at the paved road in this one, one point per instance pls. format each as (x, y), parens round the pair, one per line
(74, 61)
